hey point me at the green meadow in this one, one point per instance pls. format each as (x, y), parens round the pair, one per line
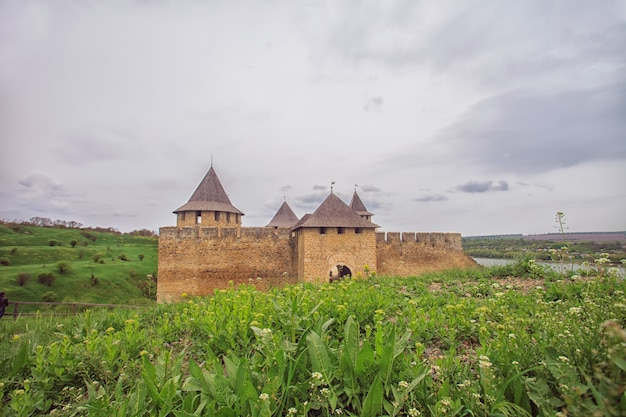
(516, 340)
(75, 265)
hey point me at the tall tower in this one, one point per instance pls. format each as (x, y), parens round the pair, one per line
(209, 206)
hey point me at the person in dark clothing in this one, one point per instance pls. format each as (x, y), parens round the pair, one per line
(4, 302)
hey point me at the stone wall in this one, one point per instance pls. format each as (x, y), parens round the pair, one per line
(196, 261)
(321, 253)
(409, 253)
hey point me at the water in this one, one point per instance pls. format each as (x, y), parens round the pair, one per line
(554, 265)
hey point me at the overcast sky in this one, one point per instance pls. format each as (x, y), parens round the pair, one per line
(479, 117)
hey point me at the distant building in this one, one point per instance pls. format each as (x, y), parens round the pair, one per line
(209, 249)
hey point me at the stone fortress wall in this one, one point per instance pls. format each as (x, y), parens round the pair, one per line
(196, 261)
(410, 253)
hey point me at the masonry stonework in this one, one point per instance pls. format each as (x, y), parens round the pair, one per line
(408, 253)
(196, 261)
(208, 249)
(322, 253)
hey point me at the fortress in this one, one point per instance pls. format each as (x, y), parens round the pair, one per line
(209, 249)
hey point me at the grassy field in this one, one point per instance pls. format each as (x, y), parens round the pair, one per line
(102, 267)
(516, 340)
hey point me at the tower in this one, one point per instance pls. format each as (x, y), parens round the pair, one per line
(284, 217)
(334, 242)
(209, 206)
(357, 205)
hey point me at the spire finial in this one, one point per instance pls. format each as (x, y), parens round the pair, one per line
(331, 186)
(211, 160)
(355, 185)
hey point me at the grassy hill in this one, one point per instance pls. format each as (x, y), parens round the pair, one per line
(103, 267)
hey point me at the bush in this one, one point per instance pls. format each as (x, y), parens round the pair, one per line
(141, 256)
(49, 297)
(23, 278)
(73, 243)
(13, 251)
(97, 257)
(63, 267)
(46, 278)
(123, 257)
(53, 242)
(4, 261)
(89, 236)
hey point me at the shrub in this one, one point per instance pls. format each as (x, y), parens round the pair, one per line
(53, 242)
(49, 297)
(89, 236)
(4, 261)
(73, 243)
(123, 257)
(97, 257)
(63, 267)
(23, 278)
(141, 256)
(46, 278)
(13, 251)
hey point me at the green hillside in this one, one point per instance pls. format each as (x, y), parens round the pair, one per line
(103, 267)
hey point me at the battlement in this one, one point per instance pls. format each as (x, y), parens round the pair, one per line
(435, 239)
(224, 233)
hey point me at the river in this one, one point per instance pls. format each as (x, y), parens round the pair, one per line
(554, 265)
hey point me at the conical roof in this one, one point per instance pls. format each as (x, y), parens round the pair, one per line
(284, 217)
(334, 213)
(209, 196)
(357, 205)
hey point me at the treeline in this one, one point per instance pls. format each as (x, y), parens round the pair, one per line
(72, 224)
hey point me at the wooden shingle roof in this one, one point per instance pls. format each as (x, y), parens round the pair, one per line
(334, 213)
(284, 217)
(209, 196)
(357, 205)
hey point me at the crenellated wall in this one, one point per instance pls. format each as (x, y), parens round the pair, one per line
(410, 253)
(195, 261)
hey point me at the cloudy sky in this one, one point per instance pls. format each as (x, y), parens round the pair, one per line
(480, 117)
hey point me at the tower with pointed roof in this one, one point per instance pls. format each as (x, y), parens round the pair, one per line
(284, 217)
(334, 241)
(359, 208)
(209, 206)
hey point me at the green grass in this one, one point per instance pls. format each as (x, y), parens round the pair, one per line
(467, 343)
(27, 249)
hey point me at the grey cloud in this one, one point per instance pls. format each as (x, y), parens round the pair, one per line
(431, 197)
(531, 132)
(285, 188)
(40, 182)
(320, 187)
(482, 186)
(99, 145)
(369, 188)
(373, 103)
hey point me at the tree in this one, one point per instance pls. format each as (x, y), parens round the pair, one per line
(23, 278)
(63, 267)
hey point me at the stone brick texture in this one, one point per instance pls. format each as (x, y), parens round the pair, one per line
(197, 260)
